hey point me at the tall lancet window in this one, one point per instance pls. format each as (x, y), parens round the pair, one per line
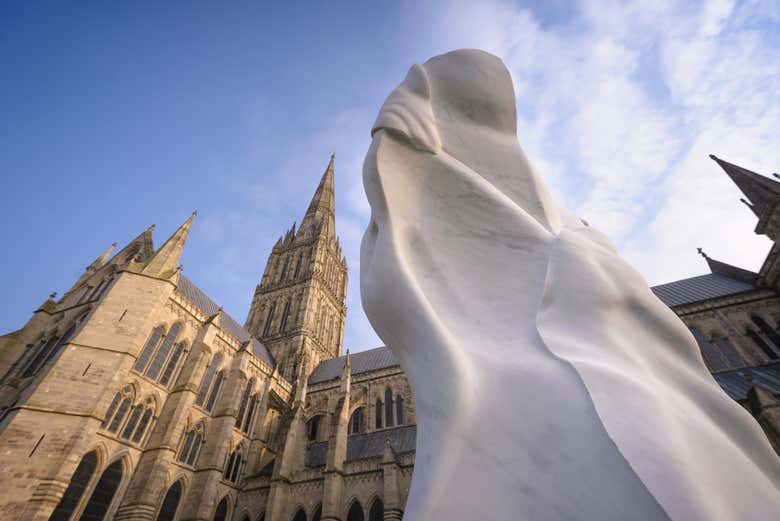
(269, 320)
(250, 414)
(769, 332)
(389, 408)
(205, 384)
(153, 371)
(378, 413)
(214, 391)
(298, 265)
(285, 314)
(761, 343)
(148, 350)
(244, 402)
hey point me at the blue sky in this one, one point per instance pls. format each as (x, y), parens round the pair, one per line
(116, 117)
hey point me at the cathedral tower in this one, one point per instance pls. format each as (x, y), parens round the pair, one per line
(299, 307)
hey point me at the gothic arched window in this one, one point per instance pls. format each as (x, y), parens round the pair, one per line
(214, 391)
(78, 483)
(37, 361)
(101, 288)
(355, 512)
(269, 320)
(244, 402)
(52, 348)
(761, 343)
(191, 445)
(234, 464)
(221, 513)
(103, 494)
(153, 371)
(208, 376)
(117, 410)
(148, 350)
(173, 362)
(356, 421)
(769, 332)
(300, 515)
(170, 503)
(317, 515)
(377, 512)
(399, 410)
(285, 314)
(313, 427)
(378, 413)
(250, 415)
(139, 420)
(298, 265)
(388, 408)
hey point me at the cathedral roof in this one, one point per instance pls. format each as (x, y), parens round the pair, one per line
(361, 362)
(195, 295)
(738, 382)
(369, 445)
(723, 280)
(695, 289)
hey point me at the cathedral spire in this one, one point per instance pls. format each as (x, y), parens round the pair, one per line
(761, 191)
(101, 261)
(346, 375)
(166, 259)
(322, 209)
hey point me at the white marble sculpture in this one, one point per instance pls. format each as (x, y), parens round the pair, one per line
(549, 382)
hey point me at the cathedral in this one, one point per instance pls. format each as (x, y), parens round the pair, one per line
(134, 396)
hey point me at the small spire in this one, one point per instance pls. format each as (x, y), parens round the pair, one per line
(762, 192)
(701, 252)
(388, 455)
(165, 261)
(213, 319)
(346, 375)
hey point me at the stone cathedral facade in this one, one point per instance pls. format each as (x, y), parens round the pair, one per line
(135, 397)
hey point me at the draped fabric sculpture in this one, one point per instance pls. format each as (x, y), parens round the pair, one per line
(549, 381)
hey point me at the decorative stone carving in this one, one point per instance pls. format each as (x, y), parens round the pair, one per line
(481, 284)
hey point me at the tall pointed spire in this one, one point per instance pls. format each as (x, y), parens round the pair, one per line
(761, 191)
(101, 261)
(346, 375)
(322, 209)
(166, 259)
(138, 250)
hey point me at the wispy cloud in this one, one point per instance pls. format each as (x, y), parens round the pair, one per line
(620, 104)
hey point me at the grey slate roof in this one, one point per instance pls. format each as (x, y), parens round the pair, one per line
(195, 295)
(369, 445)
(703, 287)
(738, 382)
(362, 362)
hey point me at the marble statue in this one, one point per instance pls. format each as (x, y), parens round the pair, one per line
(550, 383)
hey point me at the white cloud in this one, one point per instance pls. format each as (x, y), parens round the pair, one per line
(620, 104)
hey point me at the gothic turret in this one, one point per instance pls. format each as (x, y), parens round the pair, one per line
(165, 260)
